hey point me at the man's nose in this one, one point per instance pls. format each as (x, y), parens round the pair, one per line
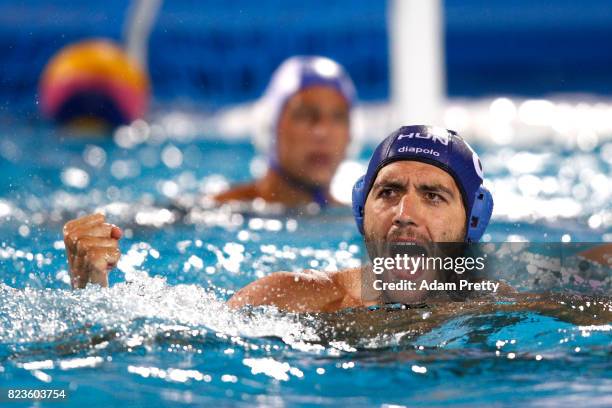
(322, 126)
(408, 211)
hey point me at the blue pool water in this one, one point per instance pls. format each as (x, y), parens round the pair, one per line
(161, 334)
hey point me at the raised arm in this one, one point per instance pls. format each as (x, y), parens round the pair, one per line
(92, 249)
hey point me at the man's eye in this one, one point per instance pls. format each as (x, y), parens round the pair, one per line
(434, 197)
(306, 115)
(386, 192)
(341, 117)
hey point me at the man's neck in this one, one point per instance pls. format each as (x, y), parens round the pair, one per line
(275, 188)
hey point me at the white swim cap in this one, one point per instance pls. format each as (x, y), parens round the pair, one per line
(293, 75)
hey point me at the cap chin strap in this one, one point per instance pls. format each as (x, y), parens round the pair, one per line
(319, 194)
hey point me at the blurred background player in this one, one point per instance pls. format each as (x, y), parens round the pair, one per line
(305, 114)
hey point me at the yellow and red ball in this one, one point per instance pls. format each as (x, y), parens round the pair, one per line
(94, 79)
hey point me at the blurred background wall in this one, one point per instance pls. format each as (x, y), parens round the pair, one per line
(222, 52)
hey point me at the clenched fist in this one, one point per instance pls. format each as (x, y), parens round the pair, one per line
(92, 248)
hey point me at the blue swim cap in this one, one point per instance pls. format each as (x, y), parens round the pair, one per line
(441, 148)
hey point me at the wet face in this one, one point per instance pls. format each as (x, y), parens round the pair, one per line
(313, 134)
(412, 203)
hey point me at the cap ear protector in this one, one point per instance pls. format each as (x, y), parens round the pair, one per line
(356, 203)
(441, 148)
(479, 215)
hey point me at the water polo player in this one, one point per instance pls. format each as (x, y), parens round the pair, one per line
(423, 185)
(305, 116)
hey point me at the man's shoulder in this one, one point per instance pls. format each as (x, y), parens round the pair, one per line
(347, 281)
(352, 275)
(243, 192)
